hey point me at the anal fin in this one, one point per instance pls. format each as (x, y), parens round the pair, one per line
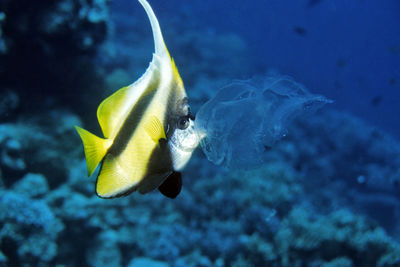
(172, 186)
(112, 181)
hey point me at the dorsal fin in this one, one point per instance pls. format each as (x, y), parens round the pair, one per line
(110, 112)
(159, 45)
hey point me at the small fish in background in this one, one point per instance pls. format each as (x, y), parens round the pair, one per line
(341, 63)
(376, 101)
(312, 3)
(394, 49)
(300, 30)
(148, 130)
(393, 82)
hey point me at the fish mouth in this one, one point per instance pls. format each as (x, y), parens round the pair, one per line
(185, 140)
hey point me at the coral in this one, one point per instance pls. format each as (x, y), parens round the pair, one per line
(30, 226)
(196, 258)
(62, 36)
(10, 153)
(347, 153)
(3, 47)
(339, 262)
(82, 24)
(3, 258)
(31, 185)
(23, 210)
(224, 59)
(304, 236)
(32, 143)
(9, 102)
(374, 154)
(118, 78)
(241, 218)
(146, 262)
(261, 250)
(106, 253)
(215, 58)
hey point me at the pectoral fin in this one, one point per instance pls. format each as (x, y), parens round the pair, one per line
(172, 186)
(155, 129)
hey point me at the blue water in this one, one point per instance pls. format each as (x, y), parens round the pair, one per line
(325, 192)
(348, 51)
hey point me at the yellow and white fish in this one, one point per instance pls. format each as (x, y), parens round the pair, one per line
(148, 130)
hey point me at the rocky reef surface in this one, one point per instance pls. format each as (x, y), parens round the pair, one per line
(277, 215)
(47, 49)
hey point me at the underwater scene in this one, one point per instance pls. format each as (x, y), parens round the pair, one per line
(156, 133)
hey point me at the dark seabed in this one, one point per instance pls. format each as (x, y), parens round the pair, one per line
(327, 195)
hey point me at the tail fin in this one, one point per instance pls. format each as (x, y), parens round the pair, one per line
(95, 148)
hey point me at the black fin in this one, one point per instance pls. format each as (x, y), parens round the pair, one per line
(172, 186)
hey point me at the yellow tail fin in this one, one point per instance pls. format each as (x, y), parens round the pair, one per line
(95, 148)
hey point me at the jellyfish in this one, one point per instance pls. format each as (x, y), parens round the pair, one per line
(245, 119)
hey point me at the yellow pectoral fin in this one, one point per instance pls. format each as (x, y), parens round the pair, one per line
(154, 129)
(95, 148)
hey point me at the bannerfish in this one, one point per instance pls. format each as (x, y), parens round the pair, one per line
(148, 130)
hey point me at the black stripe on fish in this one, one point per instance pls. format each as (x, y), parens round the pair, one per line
(160, 163)
(128, 128)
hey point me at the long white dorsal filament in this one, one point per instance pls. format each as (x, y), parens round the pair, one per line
(159, 45)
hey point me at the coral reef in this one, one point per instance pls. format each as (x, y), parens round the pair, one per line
(313, 240)
(33, 144)
(50, 41)
(353, 164)
(241, 218)
(29, 229)
(3, 48)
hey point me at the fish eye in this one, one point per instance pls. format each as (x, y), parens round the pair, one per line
(183, 123)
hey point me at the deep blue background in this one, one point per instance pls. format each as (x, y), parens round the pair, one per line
(346, 50)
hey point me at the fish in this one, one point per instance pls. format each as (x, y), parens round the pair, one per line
(394, 49)
(300, 31)
(393, 81)
(148, 129)
(376, 100)
(312, 3)
(341, 63)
